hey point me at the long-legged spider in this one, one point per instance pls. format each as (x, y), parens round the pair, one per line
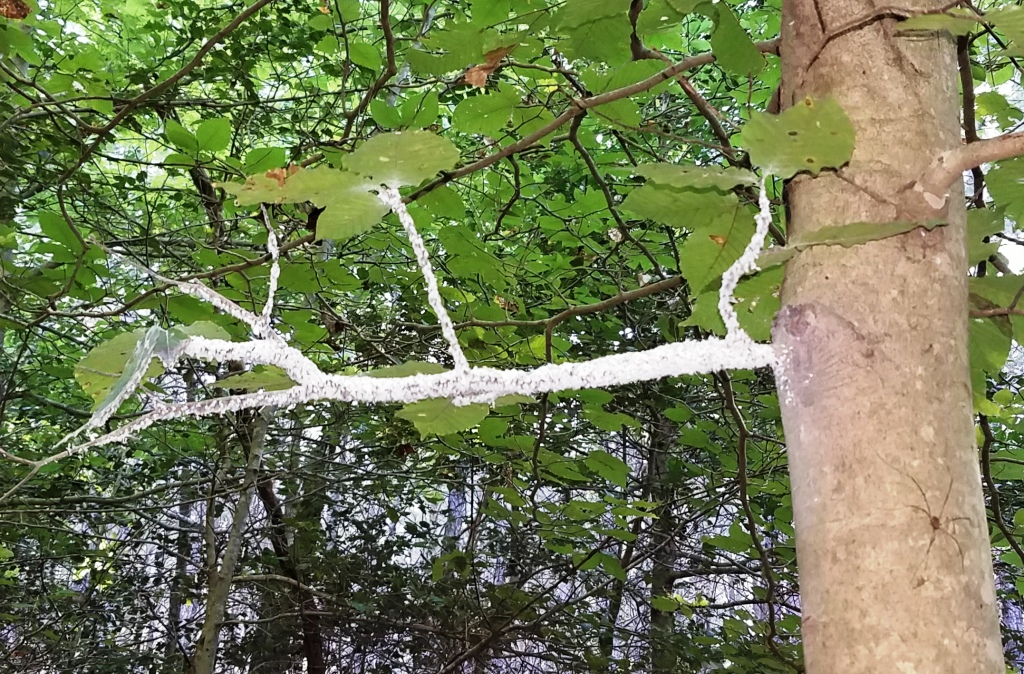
(936, 521)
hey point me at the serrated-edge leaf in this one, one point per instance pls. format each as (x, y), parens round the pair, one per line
(852, 234)
(406, 369)
(811, 135)
(513, 399)
(955, 25)
(696, 177)
(611, 468)
(443, 417)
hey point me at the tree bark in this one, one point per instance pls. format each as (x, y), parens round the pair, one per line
(312, 637)
(205, 657)
(174, 657)
(892, 535)
(663, 653)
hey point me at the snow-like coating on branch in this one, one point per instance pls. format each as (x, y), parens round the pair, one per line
(746, 264)
(392, 198)
(275, 269)
(464, 384)
(480, 384)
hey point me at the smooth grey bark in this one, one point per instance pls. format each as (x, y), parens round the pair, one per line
(205, 657)
(892, 535)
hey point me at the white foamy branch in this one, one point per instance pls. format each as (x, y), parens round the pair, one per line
(746, 264)
(478, 384)
(261, 328)
(275, 270)
(393, 199)
(463, 385)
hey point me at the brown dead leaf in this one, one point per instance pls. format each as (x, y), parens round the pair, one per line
(506, 304)
(278, 175)
(720, 240)
(478, 74)
(14, 9)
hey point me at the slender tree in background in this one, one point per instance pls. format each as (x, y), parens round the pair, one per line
(278, 282)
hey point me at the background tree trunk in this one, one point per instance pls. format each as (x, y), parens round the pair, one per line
(892, 536)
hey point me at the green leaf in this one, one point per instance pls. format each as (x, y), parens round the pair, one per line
(207, 329)
(559, 466)
(981, 223)
(213, 135)
(365, 55)
(514, 399)
(809, 136)
(490, 12)
(420, 111)
(511, 496)
(757, 303)
(350, 208)
(444, 202)
(265, 377)
(264, 158)
(328, 45)
(344, 219)
(403, 158)
(607, 466)
(118, 386)
(56, 228)
(732, 47)
(612, 565)
(321, 22)
(852, 234)
(608, 421)
(955, 25)
(696, 177)
(581, 12)
(180, 137)
(720, 228)
(994, 104)
(101, 369)
(1005, 182)
(485, 114)
(527, 119)
(179, 159)
(407, 369)
(582, 511)
(442, 417)
(990, 340)
(604, 40)
(385, 115)
(1009, 20)
(664, 604)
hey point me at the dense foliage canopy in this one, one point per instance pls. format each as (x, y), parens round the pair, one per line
(583, 172)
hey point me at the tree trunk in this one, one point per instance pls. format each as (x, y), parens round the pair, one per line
(174, 656)
(892, 536)
(312, 636)
(205, 657)
(663, 652)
